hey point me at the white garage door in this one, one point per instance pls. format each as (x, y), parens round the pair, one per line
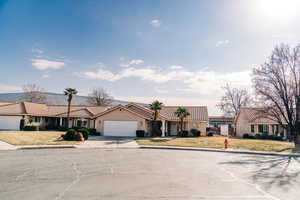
(120, 128)
(9, 123)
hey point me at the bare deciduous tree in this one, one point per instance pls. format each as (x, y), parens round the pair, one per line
(99, 97)
(233, 99)
(277, 85)
(33, 93)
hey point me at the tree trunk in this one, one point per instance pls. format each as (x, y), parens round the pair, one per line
(68, 114)
(155, 115)
(296, 132)
(181, 125)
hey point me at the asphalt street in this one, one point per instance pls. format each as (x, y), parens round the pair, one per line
(135, 174)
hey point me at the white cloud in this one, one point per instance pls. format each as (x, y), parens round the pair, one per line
(222, 43)
(161, 90)
(43, 64)
(202, 82)
(132, 62)
(37, 51)
(155, 23)
(176, 67)
(9, 88)
(45, 76)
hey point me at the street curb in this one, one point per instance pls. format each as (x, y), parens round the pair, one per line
(46, 147)
(220, 150)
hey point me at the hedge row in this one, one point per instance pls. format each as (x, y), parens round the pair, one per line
(31, 128)
(262, 137)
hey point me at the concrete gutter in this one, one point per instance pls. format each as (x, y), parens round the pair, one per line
(45, 147)
(221, 150)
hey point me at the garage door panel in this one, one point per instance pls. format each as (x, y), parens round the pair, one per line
(120, 128)
(9, 122)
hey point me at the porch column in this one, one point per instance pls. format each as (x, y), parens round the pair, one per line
(60, 122)
(163, 128)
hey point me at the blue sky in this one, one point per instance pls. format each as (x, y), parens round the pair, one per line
(180, 52)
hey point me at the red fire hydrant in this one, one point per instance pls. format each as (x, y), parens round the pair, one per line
(226, 143)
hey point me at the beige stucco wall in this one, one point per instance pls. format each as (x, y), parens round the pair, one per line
(120, 115)
(201, 126)
(242, 127)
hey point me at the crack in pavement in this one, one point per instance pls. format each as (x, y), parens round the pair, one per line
(24, 174)
(75, 181)
(257, 187)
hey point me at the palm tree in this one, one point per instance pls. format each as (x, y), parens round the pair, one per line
(181, 113)
(156, 106)
(69, 92)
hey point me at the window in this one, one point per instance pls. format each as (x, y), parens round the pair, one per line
(79, 123)
(265, 128)
(84, 123)
(252, 128)
(260, 128)
(37, 119)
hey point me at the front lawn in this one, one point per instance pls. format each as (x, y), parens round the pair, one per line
(34, 138)
(217, 142)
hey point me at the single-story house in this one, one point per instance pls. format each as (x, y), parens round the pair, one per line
(118, 120)
(217, 121)
(251, 121)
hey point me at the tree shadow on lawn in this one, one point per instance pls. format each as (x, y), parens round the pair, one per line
(282, 171)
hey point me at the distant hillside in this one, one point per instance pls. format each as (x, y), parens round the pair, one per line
(54, 99)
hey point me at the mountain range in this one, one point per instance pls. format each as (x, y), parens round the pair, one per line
(55, 99)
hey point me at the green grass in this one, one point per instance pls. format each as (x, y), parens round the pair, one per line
(34, 138)
(217, 142)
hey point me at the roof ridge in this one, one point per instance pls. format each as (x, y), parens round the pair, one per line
(71, 111)
(183, 106)
(9, 104)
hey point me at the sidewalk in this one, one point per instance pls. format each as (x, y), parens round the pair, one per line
(6, 146)
(131, 144)
(109, 144)
(241, 151)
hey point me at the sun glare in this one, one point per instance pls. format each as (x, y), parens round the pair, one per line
(283, 10)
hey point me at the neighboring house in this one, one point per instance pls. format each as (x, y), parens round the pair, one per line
(217, 121)
(119, 120)
(251, 121)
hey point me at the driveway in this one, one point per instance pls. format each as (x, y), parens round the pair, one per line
(109, 142)
(134, 174)
(6, 146)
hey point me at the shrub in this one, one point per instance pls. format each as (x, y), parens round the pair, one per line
(31, 128)
(79, 136)
(51, 127)
(258, 136)
(184, 134)
(92, 131)
(210, 134)
(84, 132)
(248, 136)
(195, 132)
(70, 135)
(140, 133)
(76, 128)
(62, 128)
(273, 137)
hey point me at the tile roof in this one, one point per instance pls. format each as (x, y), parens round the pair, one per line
(255, 115)
(80, 113)
(141, 110)
(220, 118)
(12, 109)
(198, 113)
